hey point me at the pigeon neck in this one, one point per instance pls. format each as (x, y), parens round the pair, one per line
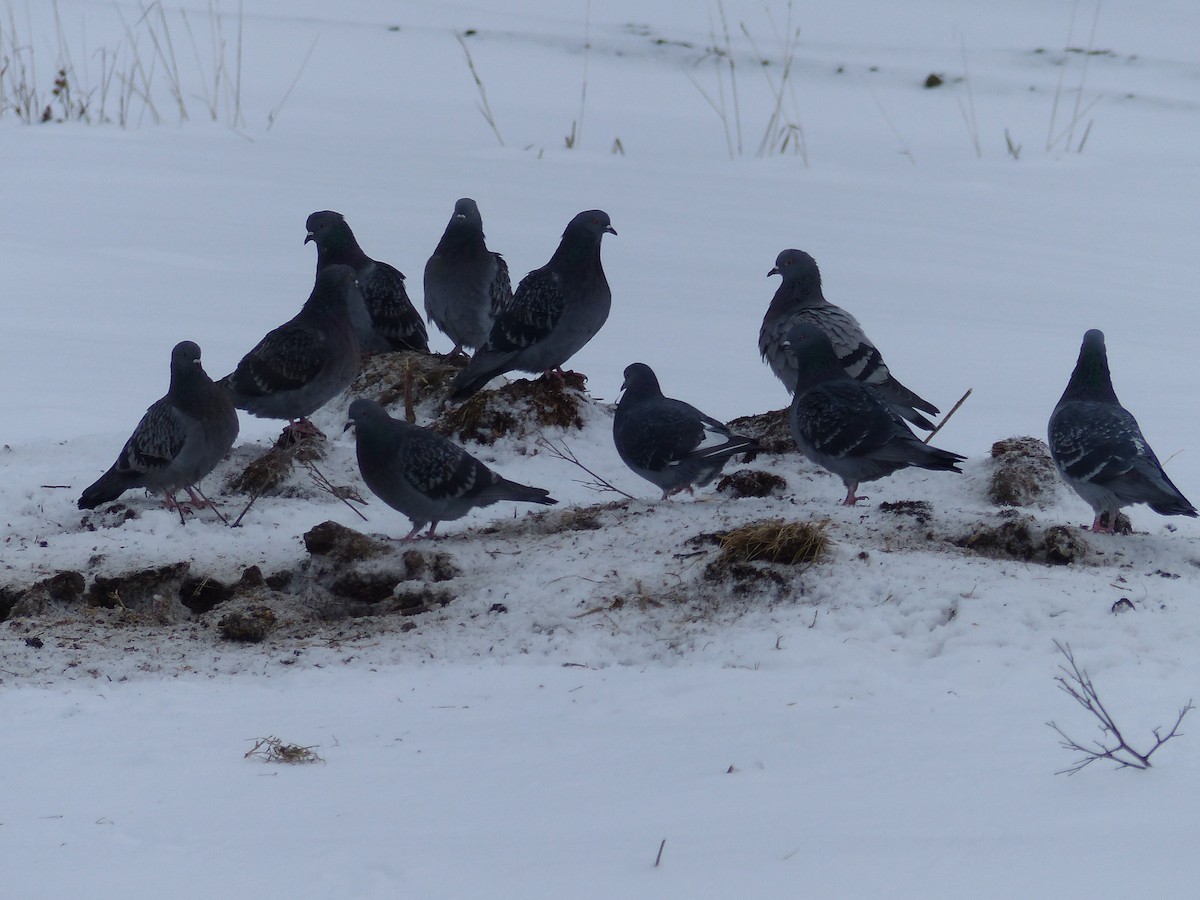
(340, 249)
(798, 290)
(576, 251)
(461, 237)
(186, 383)
(1091, 379)
(636, 393)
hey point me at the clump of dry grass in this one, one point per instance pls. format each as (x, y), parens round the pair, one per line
(1023, 473)
(518, 408)
(406, 379)
(272, 749)
(774, 541)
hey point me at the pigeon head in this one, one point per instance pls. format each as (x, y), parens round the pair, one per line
(363, 414)
(796, 266)
(813, 352)
(1091, 379)
(328, 230)
(466, 210)
(464, 230)
(185, 353)
(591, 222)
(640, 381)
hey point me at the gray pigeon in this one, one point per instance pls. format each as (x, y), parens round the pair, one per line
(395, 323)
(181, 438)
(1099, 449)
(668, 442)
(306, 362)
(847, 426)
(555, 311)
(423, 475)
(799, 299)
(466, 284)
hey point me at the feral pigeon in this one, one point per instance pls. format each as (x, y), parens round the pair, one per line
(799, 299)
(395, 323)
(303, 364)
(847, 426)
(466, 284)
(1099, 449)
(179, 440)
(423, 475)
(555, 310)
(668, 442)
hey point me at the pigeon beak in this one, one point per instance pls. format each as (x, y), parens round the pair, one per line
(349, 425)
(774, 271)
(309, 237)
(610, 230)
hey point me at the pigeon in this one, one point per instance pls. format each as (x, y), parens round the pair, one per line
(1099, 449)
(555, 310)
(303, 364)
(799, 299)
(395, 323)
(423, 475)
(668, 442)
(846, 426)
(466, 284)
(181, 438)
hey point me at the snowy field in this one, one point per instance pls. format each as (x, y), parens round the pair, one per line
(589, 715)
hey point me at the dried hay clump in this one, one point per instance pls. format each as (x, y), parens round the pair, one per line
(406, 378)
(341, 544)
(921, 510)
(247, 626)
(774, 541)
(772, 430)
(267, 472)
(746, 483)
(516, 409)
(1023, 474)
(272, 749)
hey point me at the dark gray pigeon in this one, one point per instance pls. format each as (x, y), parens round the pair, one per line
(306, 362)
(668, 442)
(555, 311)
(181, 438)
(395, 323)
(423, 475)
(799, 299)
(466, 284)
(1099, 449)
(847, 426)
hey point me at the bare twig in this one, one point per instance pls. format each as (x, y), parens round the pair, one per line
(1077, 684)
(565, 453)
(484, 106)
(946, 417)
(343, 493)
(658, 859)
(272, 749)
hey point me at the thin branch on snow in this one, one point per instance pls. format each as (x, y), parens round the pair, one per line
(1077, 684)
(946, 418)
(565, 453)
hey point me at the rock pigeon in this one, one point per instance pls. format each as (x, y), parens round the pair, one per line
(555, 310)
(181, 438)
(466, 284)
(1099, 449)
(303, 364)
(395, 323)
(423, 475)
(848, 426)
(668, 442)
(799, 299)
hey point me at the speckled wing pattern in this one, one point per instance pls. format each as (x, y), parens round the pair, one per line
(438, 468)
(392, 313)
(657, 434)
(155, 442)
(500, 290)
(288, 358)
(842, 419)
(535, 310)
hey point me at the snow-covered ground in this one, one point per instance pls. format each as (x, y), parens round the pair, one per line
(873, 727)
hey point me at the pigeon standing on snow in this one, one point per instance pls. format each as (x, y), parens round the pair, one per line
(306, 362)
(466, 284)
(423, 475)
(1099, 449)
(181, 438)
(555, 310)
(668, 442)
(799, 299)
(395, 323)
(847, 426)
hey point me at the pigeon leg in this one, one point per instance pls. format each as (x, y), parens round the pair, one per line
(1098, 526)
(851, 497)
(170, 502)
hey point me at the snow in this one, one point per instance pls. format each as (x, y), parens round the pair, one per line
(877, 727)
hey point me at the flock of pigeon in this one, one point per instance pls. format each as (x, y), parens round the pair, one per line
(848, 414)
